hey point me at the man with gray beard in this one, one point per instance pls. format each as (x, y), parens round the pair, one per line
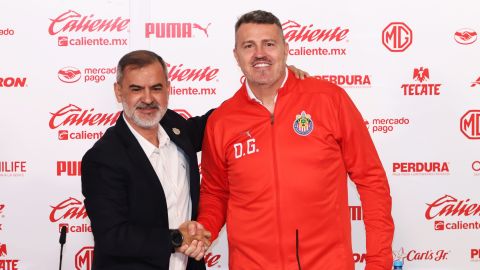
(141, 179)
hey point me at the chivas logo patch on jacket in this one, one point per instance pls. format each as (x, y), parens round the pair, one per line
(303, 124)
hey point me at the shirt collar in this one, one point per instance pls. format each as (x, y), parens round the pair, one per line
(148, 147)
(253, 97)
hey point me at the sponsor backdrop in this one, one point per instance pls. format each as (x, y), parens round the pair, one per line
(411, 67)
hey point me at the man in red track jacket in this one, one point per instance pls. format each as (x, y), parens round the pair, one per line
(275, 162)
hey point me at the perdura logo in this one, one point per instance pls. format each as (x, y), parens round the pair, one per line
(348, 81)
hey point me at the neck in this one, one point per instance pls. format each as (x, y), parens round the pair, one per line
(150, 134)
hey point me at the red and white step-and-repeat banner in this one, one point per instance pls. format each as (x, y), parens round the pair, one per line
(412, 68)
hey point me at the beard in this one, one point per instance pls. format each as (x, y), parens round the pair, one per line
(149, 121)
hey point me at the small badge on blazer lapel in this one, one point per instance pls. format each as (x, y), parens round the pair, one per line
(176, 131)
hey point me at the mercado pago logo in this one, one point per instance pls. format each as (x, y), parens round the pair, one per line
(176, 30)
(386, 125)
(421, 85)
(70, 213)
(397, 37)
(12, 82)
(348, 80)
(75, 123)
(195, 81)
(465, 36)
(308, 39)
(451, 213)
(421, 168)
(75, 29)
(420, 255)
(6, 31)
(13, 168)
(70, 74)
(7, 261)
(470, 124)
(69, 168)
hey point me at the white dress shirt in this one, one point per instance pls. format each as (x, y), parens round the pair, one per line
(170, 164)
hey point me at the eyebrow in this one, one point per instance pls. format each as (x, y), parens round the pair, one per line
(138, 86)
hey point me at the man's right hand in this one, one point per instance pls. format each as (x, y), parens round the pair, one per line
(196, 239)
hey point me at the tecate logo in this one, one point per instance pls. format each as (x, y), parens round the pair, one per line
(68, 209)
(470, 124)
(84, 258)
(184, 113)
(465, 36)
(397, 37)
(69, 74)
(174, 29)
(7, 264)
(294, 31)
(13, 81)
(421, 75)
(70, 168)
(348, 81)
(72, 21)
(72, 115)
(448, 205)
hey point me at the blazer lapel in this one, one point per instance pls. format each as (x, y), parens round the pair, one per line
(140, 161)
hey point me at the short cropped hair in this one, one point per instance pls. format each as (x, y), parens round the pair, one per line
(258, 17)
(139, 59)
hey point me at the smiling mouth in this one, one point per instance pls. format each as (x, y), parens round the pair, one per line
(261, 65)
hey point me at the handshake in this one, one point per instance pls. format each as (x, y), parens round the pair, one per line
(195, 239)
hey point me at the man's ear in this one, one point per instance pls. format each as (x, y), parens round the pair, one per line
(117, 88)
(235, 55)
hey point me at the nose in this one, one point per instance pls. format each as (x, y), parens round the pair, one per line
(147, 97)
(259, 52)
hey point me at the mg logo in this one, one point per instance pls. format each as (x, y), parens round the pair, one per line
(397, 37)
(84, 259)
(470, 124)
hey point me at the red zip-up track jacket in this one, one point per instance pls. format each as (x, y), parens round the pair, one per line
(280, 181)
